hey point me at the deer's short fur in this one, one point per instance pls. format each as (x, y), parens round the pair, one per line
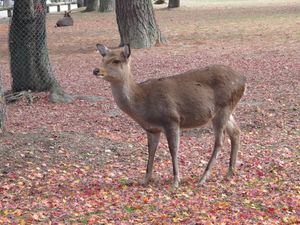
(186, 100)
(67, 20)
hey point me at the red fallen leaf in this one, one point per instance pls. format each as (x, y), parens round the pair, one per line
(18, 212)
(146, 200)
(29, 219)
(163, 216)
(271, 210)
(260, 173)
(7, 142)
(245, 216)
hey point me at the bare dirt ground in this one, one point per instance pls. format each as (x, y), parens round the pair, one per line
(81, 163)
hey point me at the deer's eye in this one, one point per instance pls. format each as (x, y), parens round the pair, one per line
(116, 61)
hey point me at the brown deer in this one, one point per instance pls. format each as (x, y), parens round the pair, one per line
(67, 20)
(186, 100)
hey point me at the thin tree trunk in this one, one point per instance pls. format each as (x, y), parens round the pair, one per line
(92, 5)
(2, 108)
(137, 24)
(106, 5)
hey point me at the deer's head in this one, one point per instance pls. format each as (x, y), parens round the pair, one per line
(67, 14)
(115, 63)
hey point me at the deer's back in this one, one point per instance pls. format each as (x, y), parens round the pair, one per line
(66, 21)
(192, 98)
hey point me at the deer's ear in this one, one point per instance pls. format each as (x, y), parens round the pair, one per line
(102, 49)
(127, 50)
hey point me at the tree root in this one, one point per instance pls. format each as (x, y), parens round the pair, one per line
(68, 98)
(59, 96)
(11, 97)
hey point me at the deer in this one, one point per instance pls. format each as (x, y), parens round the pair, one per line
(169, 104)
(67, 20)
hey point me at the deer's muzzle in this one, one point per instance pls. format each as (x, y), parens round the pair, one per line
(96, 72)
(100, 72)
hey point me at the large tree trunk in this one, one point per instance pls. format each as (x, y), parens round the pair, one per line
(174, 3)
(2, 108)
(137, 24)
(30, 64)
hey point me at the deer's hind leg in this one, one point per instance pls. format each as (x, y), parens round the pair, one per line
(219, 125)
(234, 134)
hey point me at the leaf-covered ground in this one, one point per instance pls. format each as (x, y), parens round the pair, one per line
(81, 163)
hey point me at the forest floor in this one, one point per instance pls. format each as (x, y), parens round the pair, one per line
(82, 163)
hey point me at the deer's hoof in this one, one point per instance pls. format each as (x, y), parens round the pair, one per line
(202, 181)
(176, 183)
(146, 181)
(230, 174)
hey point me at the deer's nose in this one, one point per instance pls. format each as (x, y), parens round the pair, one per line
(96, 71)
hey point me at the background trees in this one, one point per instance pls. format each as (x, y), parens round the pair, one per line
(100, 5)
(30, 64)
(174, 3)
(137, 24)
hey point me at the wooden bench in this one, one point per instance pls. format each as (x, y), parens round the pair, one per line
(57, 7)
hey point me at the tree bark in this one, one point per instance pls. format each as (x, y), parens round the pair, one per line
(100, 5)
(106, 5)
(2, 108)
(137, 24)
(29, 59)
(174, 3)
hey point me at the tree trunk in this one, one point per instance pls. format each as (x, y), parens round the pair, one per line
(174, 3)
(2, 108)
(100, 5)
(137, 24)
(92, 5)
(106, 5)
(29, 60)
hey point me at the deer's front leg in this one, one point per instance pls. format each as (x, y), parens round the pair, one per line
(153, 140)
(172, 135)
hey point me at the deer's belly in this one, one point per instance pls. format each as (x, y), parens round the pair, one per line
(192, 121)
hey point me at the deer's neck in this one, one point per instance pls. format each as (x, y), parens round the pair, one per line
(126, 94)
